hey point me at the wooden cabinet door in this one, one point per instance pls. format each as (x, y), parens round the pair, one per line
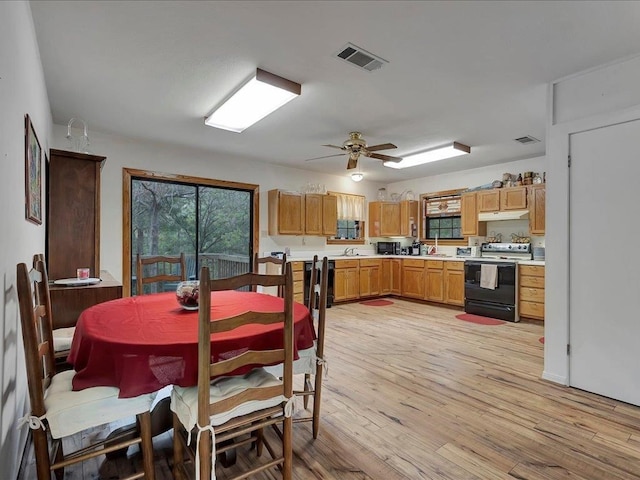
(385, 276)
(375, 211)
(390, 219)
(73, 213)
(413, 278)
(353, 284)
(313, 214)
(470, 225)
(286, 213)
(435, 281)
(329, 215)
(537, 205)
(454, 283)
(489, 200)
(340, 284)
(396, 276)
(409, 218)
(513, 198)
(370, 277)
(365, 282)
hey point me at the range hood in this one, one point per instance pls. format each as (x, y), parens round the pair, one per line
(506, 215)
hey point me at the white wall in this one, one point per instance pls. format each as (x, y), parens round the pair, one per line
(124, 152)
(599, 97)
(22, 91)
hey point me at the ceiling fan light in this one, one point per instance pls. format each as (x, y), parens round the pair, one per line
(450, 150)
(356, 177)
(259, 96)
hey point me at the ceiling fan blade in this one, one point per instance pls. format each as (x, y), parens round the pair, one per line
(326, 156)
(352, 163)
(386, 158)
(334, 146)
(382, 146)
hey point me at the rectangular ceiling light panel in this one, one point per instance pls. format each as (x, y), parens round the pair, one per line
(450, 150)
(262, 94)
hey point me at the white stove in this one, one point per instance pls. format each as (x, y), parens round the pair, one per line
(506, 251)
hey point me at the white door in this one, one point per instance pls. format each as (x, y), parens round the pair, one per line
(604, 269)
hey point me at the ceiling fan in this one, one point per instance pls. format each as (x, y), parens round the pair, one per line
(355, 146)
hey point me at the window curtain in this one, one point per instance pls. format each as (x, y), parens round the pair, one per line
(350, 207)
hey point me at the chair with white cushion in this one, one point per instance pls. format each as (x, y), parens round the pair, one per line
(311, 361)
(56, 410)
(232, 406)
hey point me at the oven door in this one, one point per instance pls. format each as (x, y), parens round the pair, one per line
(503, 294)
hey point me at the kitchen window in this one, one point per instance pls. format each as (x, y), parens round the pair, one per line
(444, 228)
(442, 217)
(350, 214)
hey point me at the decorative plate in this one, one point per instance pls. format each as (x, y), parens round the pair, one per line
(76, 282)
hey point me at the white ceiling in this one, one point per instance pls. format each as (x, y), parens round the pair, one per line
(472, 72)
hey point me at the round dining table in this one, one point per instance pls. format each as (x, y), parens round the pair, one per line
(143, 343)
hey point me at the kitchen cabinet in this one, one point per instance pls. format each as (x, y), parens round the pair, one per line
(73, 213)
(454, 283)
(531, 291)
(396, 276)
(435, 281)
(321, 214)
(413, 285)
(286, 213)
(346, 280)
(471, 227)
(369, 284)
(393, 219)
(502, 199)
(298, 281)
(385, 276)
(537, 207)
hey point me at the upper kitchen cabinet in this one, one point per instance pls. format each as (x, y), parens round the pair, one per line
(537, 203)
(286, 213)
(471, 227)
(73, 206)
(393, 219)
(321, 214)
(502, 199)
(292, 213)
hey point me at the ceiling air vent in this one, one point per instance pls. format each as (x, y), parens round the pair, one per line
(526, 140)
(360, 57)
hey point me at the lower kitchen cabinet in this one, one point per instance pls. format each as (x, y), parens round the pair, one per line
(385, 276)
(413, 278)
(454, 283)
(370, 277)
(346, 281)
(298, 281)
(435, 281)
(531, 291)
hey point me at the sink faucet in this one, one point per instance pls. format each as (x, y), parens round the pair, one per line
(349, 249)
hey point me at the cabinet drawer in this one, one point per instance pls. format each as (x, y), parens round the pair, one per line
(532, 294)
(347, 263)
(532, 270)
(410, 262)
(532, 309)
(535, 282)
(370, 263)
(435, 264)
(297, 266)
(298, 297)
(454, 265)
(298, 275)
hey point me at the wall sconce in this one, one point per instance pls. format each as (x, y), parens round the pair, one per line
(262, 94)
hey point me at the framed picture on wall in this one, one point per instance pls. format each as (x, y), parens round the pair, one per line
(33, 174)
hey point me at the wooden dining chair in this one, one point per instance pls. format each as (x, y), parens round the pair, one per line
(233, 406)
(311, 361)
(62, 337)
(272, 265)
(56, 410)
(159, 268)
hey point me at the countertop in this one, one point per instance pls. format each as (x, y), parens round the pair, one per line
(416, 257)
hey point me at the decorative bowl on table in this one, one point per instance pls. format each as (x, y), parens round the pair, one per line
(187, 294)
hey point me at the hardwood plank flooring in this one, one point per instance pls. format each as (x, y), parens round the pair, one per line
(414, 393)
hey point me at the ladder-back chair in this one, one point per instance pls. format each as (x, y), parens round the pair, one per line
(272, 265)
(159, 268)
(56, 410)
(234, 406)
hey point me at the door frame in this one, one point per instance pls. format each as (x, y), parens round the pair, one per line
(130, 173)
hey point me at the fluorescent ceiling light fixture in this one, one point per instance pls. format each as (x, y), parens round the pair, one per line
(450, 150)
(356, 177)
(262, 94)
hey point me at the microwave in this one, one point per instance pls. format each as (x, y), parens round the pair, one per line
(388, 248)
(468, 251)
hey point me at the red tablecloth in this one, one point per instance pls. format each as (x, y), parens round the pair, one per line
(141, 344)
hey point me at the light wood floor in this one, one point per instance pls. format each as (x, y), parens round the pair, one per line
(414, 393)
